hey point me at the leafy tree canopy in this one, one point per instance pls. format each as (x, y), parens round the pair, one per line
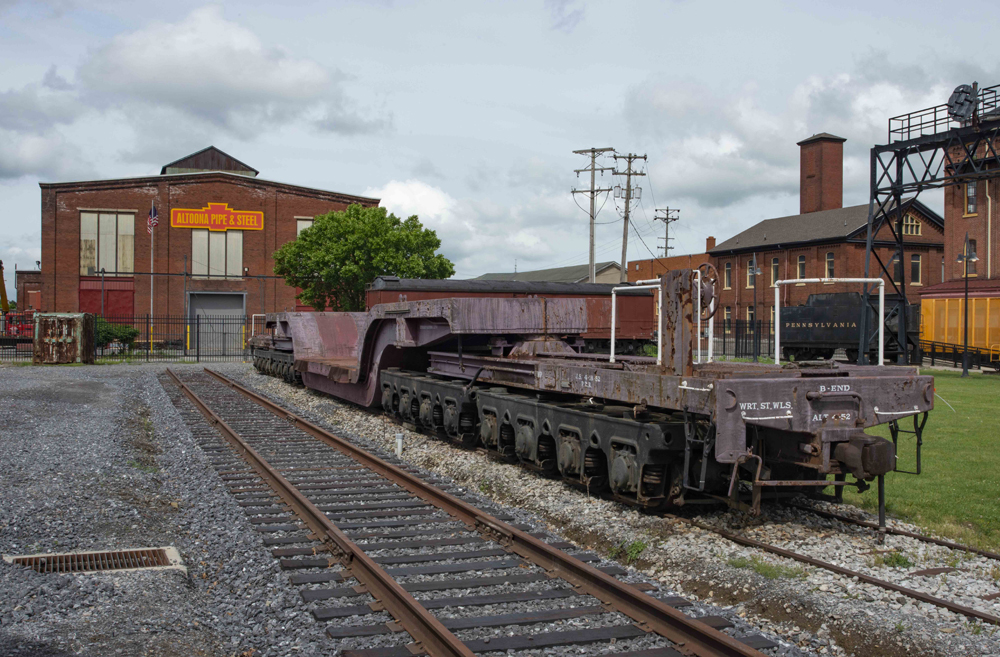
(342, 251)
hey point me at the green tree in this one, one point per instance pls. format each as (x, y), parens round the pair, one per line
(343, 251)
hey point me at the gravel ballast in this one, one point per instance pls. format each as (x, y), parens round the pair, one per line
(817, 609)
(97, 458)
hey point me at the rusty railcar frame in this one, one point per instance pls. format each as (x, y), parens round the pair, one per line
(816, 414)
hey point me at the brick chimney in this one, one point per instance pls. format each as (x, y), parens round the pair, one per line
(709, 244)
(821, 173)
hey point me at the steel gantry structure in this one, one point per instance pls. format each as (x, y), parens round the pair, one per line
(940, 146)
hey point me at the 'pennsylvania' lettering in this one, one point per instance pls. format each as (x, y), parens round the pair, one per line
(821, 325)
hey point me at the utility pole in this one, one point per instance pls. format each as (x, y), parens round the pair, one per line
(592, 192)
(667, 216)
(628, 173)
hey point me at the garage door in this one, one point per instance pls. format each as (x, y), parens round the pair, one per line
(218, 324)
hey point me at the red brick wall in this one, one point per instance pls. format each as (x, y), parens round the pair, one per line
(280, 204)
(643, 270)
(821, 176)
(29, 285)
(981, 227)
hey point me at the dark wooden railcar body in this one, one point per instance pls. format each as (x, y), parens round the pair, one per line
(636, 312)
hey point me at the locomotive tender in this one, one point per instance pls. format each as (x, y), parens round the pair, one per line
(827, 322)
(511, 375)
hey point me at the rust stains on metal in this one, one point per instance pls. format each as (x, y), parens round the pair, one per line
(63, 338)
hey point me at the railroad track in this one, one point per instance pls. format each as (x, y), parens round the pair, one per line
(897, 532)
(393, 560)
(919, 596)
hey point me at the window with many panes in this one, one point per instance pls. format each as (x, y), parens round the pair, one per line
(829, 264)
(915, 262)
(301, 223)
(802, 267)
(727, 277)
(217, 253)
(775, 271)
(970, 198)
(107, 241)
(911, 225)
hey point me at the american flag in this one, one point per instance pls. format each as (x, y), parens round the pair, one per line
(153, 219)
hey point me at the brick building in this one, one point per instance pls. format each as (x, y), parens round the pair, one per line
(968, 208)
(219, 225)
(28, 284)
(825, 240)
(644, 270)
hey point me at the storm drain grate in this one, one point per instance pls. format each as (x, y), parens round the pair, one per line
(88, 562)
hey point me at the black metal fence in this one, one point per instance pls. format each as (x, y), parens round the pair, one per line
(740, 339)
(16, 335)
(147, 338)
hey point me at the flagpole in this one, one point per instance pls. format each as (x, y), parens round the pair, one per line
(152, 240)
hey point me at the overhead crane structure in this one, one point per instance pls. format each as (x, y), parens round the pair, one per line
(941, 146)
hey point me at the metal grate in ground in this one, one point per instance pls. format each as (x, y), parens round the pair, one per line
(91, 562)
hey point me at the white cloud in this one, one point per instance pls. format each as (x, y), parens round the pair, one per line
(34, 108)
(565, 14)
(218, 72)
(48, 155)
(717, 150)
(21, 251)
(480, 235)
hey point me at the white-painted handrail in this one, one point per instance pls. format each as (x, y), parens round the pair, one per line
(253, 323)
(614, 316)
(796, 281)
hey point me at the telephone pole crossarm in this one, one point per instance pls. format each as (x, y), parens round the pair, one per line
(667, 216)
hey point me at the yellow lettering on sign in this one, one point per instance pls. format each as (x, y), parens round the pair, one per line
(217, 217)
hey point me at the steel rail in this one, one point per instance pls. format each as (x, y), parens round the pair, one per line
(898, 532)
(840, 570)
(690, 636)
(426, 630)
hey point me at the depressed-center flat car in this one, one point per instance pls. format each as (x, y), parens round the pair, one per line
(503, 374)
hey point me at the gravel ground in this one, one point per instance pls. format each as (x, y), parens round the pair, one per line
(97, 458)
(818, 610)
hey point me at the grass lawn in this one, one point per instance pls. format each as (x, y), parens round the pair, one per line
(958, 493)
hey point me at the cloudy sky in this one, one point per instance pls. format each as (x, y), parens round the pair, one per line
(467, 113)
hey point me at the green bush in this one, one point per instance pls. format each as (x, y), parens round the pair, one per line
(106, 333)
